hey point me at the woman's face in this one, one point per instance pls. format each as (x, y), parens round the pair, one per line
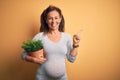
(53, 20)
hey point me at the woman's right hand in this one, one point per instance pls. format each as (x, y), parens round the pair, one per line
(35, 60)
(39, 60)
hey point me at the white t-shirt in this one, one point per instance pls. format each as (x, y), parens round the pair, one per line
(56, 53)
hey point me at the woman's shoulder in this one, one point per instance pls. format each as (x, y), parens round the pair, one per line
(38, 35)
(66, 35)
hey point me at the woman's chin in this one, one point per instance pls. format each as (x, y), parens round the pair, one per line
(54, 28)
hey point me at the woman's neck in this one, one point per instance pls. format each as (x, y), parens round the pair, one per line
(54, 32)
(54, 36)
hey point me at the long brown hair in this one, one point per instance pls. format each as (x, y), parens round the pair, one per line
(44, 26)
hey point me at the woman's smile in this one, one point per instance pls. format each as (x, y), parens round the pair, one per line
(53, 20)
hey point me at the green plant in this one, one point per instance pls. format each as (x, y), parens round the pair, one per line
(32, 45)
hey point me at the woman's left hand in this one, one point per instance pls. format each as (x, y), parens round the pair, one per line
(76, 39)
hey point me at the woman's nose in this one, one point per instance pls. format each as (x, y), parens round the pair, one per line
(53, 20)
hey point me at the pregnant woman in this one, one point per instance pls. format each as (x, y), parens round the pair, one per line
(57, 44)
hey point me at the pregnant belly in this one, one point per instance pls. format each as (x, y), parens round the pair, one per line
(55, 69)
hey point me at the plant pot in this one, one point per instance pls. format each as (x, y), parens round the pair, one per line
(38, 54)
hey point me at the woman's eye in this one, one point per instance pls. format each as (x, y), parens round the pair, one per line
(56, 18)
(49, 18)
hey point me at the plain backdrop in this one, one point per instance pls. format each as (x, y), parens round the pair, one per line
(99, 51)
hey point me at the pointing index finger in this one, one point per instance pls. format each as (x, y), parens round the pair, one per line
(79, 32)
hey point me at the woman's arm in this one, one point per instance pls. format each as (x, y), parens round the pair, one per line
(74, 52)
(29, 58)
(72, 47)
(25, 56)
(34, 59)
(76, 40)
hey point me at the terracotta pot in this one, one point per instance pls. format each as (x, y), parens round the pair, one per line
(38, 54)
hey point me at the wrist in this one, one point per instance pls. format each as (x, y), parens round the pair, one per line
(75, 46)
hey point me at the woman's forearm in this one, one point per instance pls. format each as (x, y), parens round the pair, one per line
(29, 58)
(34, 59)
(74, 51)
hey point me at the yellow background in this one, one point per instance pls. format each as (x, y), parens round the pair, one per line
(99, 51)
